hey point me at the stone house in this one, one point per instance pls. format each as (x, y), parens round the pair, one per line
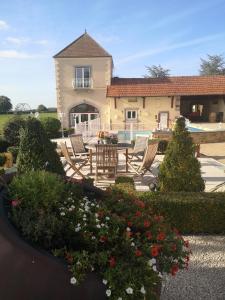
(87, 93)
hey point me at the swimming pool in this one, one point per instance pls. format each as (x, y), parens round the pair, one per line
(124, 135)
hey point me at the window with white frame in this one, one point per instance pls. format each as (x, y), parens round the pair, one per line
(131, 114)
(83, 77)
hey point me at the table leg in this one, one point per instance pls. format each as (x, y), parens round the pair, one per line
(90, 158)
(126, 160)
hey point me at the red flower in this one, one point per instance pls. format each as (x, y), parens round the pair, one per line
(139, 203)
(174, 270)
(155, 251)
(158, 218)
(129, 224)
(15, 202)
(112, 262)
(103, 239)
(187, 258)
(138, 253)
(161, 236)
(100, 214)
(148, 235)
(69, 258)
(186, 243)
(174, 247)
(146, 223)
(138, 213)
(129, 234)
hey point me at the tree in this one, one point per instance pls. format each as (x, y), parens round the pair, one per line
(157, 72)
(36, 151)
(214, 65)
(11, 130)
(180, 170)
(42, 108)
(5, 104)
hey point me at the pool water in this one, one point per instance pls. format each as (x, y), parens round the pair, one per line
(124, 135)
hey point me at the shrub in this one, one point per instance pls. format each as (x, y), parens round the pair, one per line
(124, 179)
(14, 150)
(51, 126)
(11, 130)
(2, 159)
(190, 212)
(180, 169)
(3, 145)
(36, 151)
(36, 201)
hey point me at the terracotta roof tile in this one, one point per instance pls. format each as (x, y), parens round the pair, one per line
(171, 86)
(84, 46)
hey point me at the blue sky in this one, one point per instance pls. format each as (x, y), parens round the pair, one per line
(141, 33)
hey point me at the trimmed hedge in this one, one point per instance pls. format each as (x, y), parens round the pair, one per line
(190, 212)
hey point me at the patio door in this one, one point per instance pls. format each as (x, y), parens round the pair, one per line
(163, 120)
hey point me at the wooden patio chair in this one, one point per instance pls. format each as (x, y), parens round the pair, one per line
(148, 159)
(77, 144)
(139, 148)
(76, 164)
(106, 159)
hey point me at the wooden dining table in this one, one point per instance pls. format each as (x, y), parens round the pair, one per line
(121, 148)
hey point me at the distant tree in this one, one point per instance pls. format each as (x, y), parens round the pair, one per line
(42, 108)
(5, 104)
(157, 72)
(214, 65)
(180, 169)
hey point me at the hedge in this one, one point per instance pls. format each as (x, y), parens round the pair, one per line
(191, 213)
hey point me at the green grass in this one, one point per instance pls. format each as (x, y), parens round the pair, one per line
(4, 118)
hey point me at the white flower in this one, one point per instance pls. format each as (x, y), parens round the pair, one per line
(72, 206)
(93, 237)
(97, 220)
(98, 226)
(143, 290)
(62, 213)
(133, 244)
(160, 275)
(154, 268)
(92, 204)
(70, 209)
(129, 291)
(152, 262)
(128, 229)
(108, 293)
(104, 281)
(78, 225)
(102, 225)
(78, 263)
(96, 215)
(77, 229)
(73, 280)
(107, 218)
(120, 298)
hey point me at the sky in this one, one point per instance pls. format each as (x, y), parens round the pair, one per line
(175, 34)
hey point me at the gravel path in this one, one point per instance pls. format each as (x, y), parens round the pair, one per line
(205, 278)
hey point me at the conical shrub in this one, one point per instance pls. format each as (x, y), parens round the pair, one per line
(180, 170)
(36, 151)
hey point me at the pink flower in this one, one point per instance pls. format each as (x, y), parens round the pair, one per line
(15, 202)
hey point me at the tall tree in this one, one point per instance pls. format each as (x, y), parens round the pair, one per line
(157, 72)
(180, 170)
(214, 65)
(42, 108)
(5, 104)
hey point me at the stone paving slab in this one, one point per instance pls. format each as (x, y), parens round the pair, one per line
(205, 279)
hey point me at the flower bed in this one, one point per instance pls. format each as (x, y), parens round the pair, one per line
(118, 236)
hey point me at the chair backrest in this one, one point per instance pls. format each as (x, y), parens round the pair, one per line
(149, 155)
(106, 156)
(65, 152)
(141, 143)
(77, 143)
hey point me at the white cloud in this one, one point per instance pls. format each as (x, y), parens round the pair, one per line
(16, 41)
(3, 25)
(16, 54)
(41, 42)
(169, 47)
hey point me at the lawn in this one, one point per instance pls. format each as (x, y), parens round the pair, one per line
(4, 118)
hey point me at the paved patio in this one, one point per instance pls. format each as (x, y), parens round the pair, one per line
(213, 172)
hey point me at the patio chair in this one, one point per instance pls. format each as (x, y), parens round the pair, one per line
(106, 159)
(76, 164)
(148, 159)
(139, 148)
(77, 144)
